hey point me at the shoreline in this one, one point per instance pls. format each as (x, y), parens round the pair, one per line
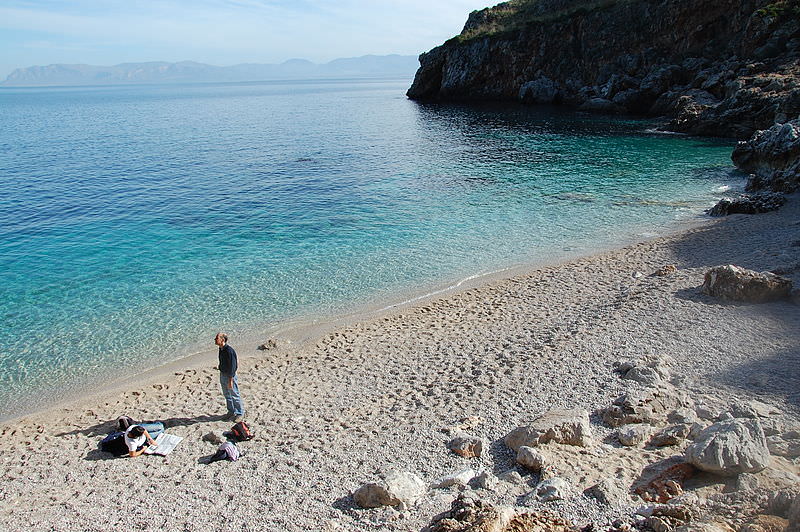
(382, 393)
(302, 332)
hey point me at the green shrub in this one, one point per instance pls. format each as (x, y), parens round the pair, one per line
(780, 10)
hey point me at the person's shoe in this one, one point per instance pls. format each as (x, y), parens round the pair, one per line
(237, 419)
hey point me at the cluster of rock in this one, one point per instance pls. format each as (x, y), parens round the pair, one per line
(749, 204)
(746, 447)
(723, 68)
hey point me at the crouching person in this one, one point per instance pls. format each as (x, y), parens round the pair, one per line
(139, 437)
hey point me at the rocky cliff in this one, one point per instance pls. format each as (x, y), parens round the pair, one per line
(712, 67)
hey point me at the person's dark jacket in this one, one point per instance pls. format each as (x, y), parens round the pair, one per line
(228, 363)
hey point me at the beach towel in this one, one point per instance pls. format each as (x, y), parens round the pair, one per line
(165, 444)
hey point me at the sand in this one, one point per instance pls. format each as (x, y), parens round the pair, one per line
(334, 411)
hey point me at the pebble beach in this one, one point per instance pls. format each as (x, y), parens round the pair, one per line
(343, 406)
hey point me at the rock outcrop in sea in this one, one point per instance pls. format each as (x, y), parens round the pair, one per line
(720, 68)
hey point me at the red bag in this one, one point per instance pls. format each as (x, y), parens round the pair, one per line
(242, 432)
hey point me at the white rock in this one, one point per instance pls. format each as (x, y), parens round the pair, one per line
(746, 482)
(486, 481)
(730, 447)
(530, 458)
(552, 490)
(644, 375)
(607, 492)
(633, 435)
(511, 477)
(685, 416)
(400, 489)
(569, 427)
(780, 445)
(706, 412)
(461, 478)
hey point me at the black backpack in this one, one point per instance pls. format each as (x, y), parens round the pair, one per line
(114, 443)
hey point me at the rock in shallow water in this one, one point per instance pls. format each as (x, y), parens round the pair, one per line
(748, 204)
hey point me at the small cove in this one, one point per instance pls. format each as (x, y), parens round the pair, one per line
(138, 220)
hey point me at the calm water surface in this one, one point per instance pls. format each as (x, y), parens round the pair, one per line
(137, 220)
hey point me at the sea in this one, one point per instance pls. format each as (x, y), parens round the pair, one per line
(138, 220)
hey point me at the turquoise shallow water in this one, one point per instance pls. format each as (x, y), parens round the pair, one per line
(135, 221)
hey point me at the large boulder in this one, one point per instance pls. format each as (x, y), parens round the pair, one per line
(734, 283)
(570, 427)
(400, 489)
(773, 157)
(730, 447)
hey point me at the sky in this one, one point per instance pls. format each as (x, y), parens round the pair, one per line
(221, 32)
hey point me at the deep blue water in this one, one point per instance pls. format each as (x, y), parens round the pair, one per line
(136, 221)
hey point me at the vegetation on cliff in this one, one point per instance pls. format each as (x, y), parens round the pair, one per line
(711, 67)
(508, 17)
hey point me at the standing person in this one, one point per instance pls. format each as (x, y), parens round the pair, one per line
(228, 364)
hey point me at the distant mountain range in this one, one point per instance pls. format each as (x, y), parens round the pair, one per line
(190, 71)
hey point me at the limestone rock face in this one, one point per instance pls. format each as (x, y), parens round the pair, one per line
(714, 67)
(733, 283)
(540, 90)
(773, 157)
(396, 489)
(730, 447)
(570, 427)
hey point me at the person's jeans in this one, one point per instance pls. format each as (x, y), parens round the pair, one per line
(233, 401)
(154, 429)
